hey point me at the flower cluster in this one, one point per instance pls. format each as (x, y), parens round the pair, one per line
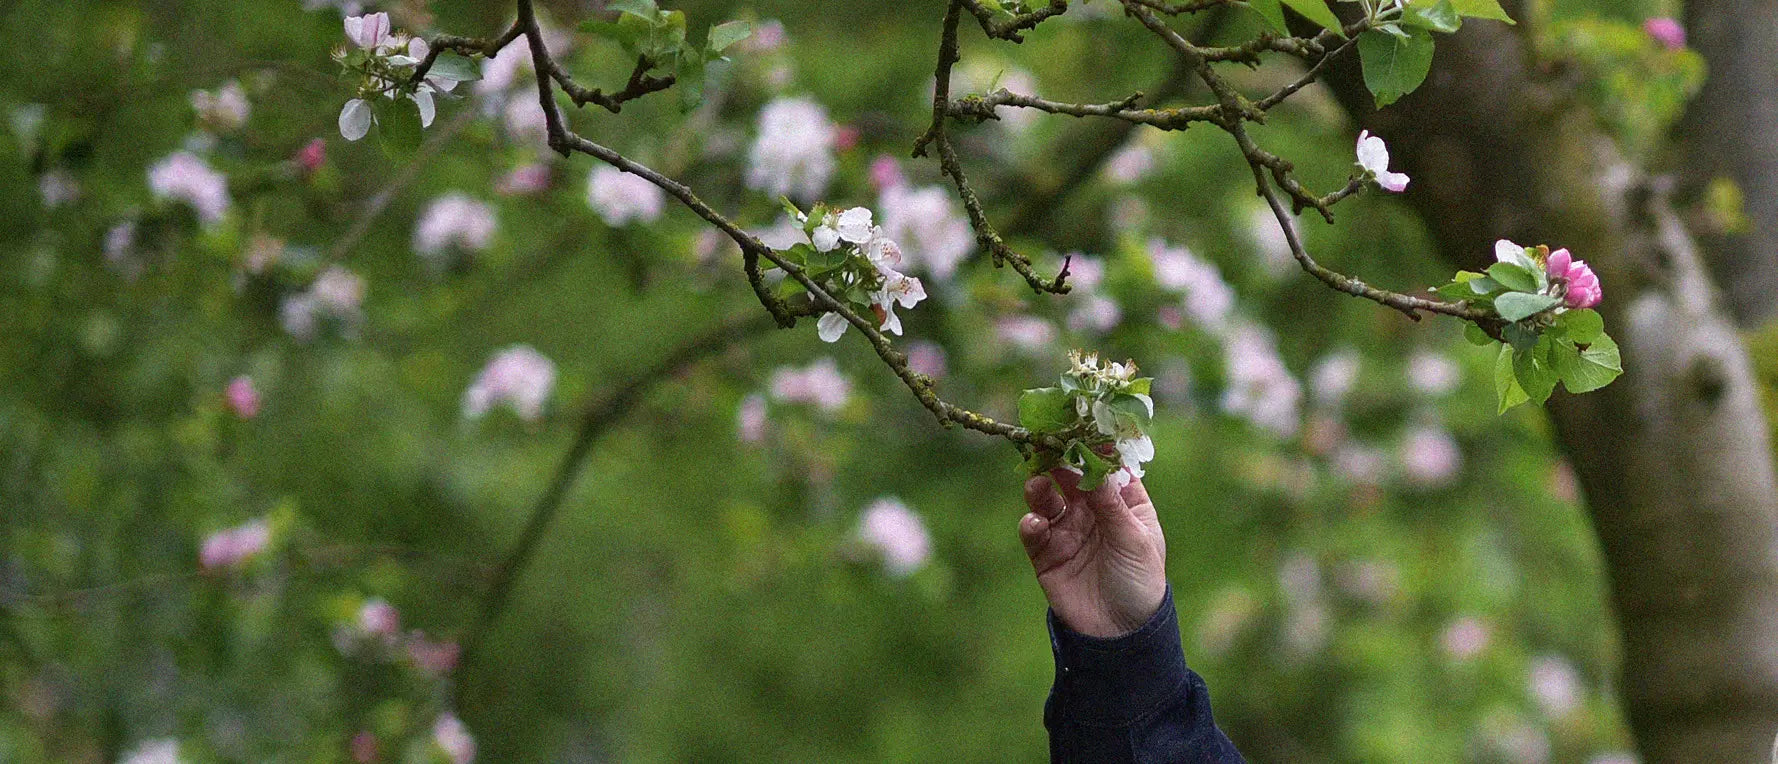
(1097, 404)
(1548, 331)
(385, 63)
(185, 177)
(855, 262)
(454, 224)
(336, 298)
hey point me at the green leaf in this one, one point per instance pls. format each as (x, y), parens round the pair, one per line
(1506, 384)
(1476, 336)
(1272, 11)
(1318, 12)
(1130, 405)
(1439, 17)
(1394, 66)
(1046, 409)
(1486, 286)
(1584, 325)
(451, 65)
(1039, 461)
(1481, 9)
(1141, 386)
(1093, 467)
(688, 79)
(1513, 277)
(1517, 306)
(1520, 336)
(398, 126)
(727, 33)
(645, 9)
(1584, 371)
(1536, 371)
(628, 31)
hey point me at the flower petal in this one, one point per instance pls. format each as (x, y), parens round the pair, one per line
(428, 110)
(355, 119)
(830, 327)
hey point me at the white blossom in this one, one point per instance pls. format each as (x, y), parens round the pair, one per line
(454, 220)
(355, 119)
(56, 188)
(1373, 156)
(336, 295)
(793, 152)
(369, 31)
(620, 197)
(183, 176)
(897, 534)
(1555, 685)
(518, 377)
(830, 327)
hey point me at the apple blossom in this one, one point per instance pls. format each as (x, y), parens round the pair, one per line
(519, 377)
(1666, 31)
(312, 155)
(230, 547)
(243, 398)
(1260, 388)
(337, 296)
(1334, 376)
(355, 119)
(525, 121)
(927, 358)
(56, 188)
(1359, 463)
(226, 109)
(928, 221)
(1130, 164)
(184, 177)
(1027, 333)
(1581, 285)
(1464, 639)
(1430, 457)
(1095, 312)
(1373, 156)
(1555, 685)
(897, 289)
(364, 747)
(378, 618)
(433, 658)
(162, 751)
(885, 173)
(1208, 299)
(369, 32)
(524, 180)
(1432, 373)
(750, 419)
(454, 221)
(451, 737)
(620, 197)
(820, 384)
(897, 534)
(1268, 237)
(120, 249)
(793, 153)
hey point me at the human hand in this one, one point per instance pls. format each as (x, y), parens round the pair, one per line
(1099, 555)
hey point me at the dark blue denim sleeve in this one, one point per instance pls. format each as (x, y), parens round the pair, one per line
(1130, 698)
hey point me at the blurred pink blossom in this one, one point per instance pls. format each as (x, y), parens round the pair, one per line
(1555, 685)
(1208, 299)
(1666, 31)
(453, 738)
(364, 747)
(434, 658)
(454, 220)
(1464, 639)
(56, 188)
(927, 358)
(224, 110)
(1260, 388)
(885, 173)
(231, 547)
(1095, 313)
(768, 35)
(819, 384)
(620, 197)
(184, 177)
(376, 617)
(1026, 333)
(311, 155)
(897, 534)
(1432, 373)
(1430, 457)
(519, 377)
(750, 419)
(1333, 377)
(337, 295)
(927, 223)
(524, 180)
(242, 397)
(793, 153)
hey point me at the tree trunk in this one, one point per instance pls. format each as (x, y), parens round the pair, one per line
(1731, 130)
(1675, 456)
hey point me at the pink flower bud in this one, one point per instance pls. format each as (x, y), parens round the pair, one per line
(1583, 290)
(243, 399)
(233, 546)
(885, 173)
(379, 618)
(435, 658)
(310, 156)
(845, 137)
(1665, 31)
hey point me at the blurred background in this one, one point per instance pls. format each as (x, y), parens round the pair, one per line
(277, 409)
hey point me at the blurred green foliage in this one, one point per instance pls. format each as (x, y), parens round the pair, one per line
(700, 598)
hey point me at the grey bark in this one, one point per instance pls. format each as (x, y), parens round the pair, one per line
(1731, 130)
(1674, 457)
